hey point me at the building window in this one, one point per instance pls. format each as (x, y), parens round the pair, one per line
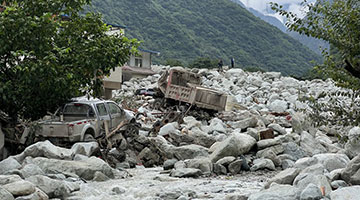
(138, 62)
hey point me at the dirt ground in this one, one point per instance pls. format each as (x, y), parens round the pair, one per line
(153, 183)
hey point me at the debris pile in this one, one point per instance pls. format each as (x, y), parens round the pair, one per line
(268, 131)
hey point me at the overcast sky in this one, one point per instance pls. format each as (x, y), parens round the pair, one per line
(263, 6)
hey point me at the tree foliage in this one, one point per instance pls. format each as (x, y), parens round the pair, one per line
(337, 22)
(46, 60)
(203, 63)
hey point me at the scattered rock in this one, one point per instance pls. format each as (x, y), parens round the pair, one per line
(85, 148)
(4, 194)
(284, 177)
(346, 193)
(186, 172)
(20, 188)
(311, 192)
(235, 166)
(262, 163)
(169, 164)
(53, 188)
(9, 164)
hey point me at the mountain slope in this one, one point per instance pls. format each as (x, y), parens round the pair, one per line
(312, 43)
(188, 29)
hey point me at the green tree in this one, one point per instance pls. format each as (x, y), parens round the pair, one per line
(49, 52)
(337, 22)
(203, 63)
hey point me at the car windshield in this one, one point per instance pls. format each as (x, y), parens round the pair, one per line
(77, 109)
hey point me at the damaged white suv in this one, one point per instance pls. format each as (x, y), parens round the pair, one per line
(84, 120)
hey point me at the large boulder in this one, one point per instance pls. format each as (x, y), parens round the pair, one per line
(332, 161)
(278, 106)
(294, 150)
(186, 172)
(318, 180)
(234, 145)
(20, 188)
(189, 151)
(31, 170)
(262, 144)
(276, 192)
(37, 195)
(245, 123)
(84, 169)
(204, 164)
(284, 177)
(311, 192)
(53, 188)
(4, 194)
(9, 164)
(352, 146)
(262, 163)
(310, 145)
(85, 148)
(351, 174)
(45, 149)
(346, 193)
(5, 179)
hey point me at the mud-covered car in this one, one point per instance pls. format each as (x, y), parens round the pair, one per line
(84, 120)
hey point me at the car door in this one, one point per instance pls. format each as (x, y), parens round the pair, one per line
(116, 114)
(103, 114)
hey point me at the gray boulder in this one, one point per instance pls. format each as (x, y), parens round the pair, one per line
(318, 180)
(311, 192)
(276, 192)
(100, 177)
(352, 146)
(262, 163)
(269, 154)
(277, 128)
(20, 188)
(85, 148)
(45, 149)
(189, 151)
(346, 193)
(245, 123)
(286, 163)
(293, 150)
(31, 170)
(219, 169)
(332, 161)
(284, 177)
(9, 164)
(278, 106)
(204, 164)
(5, 179)
(262, 144)
(37, 195)
(186, 172)
(338, 184)
(85, 169)
(310, 145)
(201, 138)
(235, 166)
(225, 161)
(234, 145)
(53, 188)
(168, 128)
(305, 162)
(4, 194)
(169, 164)
(351, 174)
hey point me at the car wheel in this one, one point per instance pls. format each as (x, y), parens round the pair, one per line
(131, 130)
(88, 137)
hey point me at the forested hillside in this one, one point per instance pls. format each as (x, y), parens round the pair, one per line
(188, 29)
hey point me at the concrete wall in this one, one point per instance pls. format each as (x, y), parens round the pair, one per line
(114, 80)
(145, 57)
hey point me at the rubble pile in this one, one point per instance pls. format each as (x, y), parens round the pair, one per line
(268, 131)
(46, 171)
